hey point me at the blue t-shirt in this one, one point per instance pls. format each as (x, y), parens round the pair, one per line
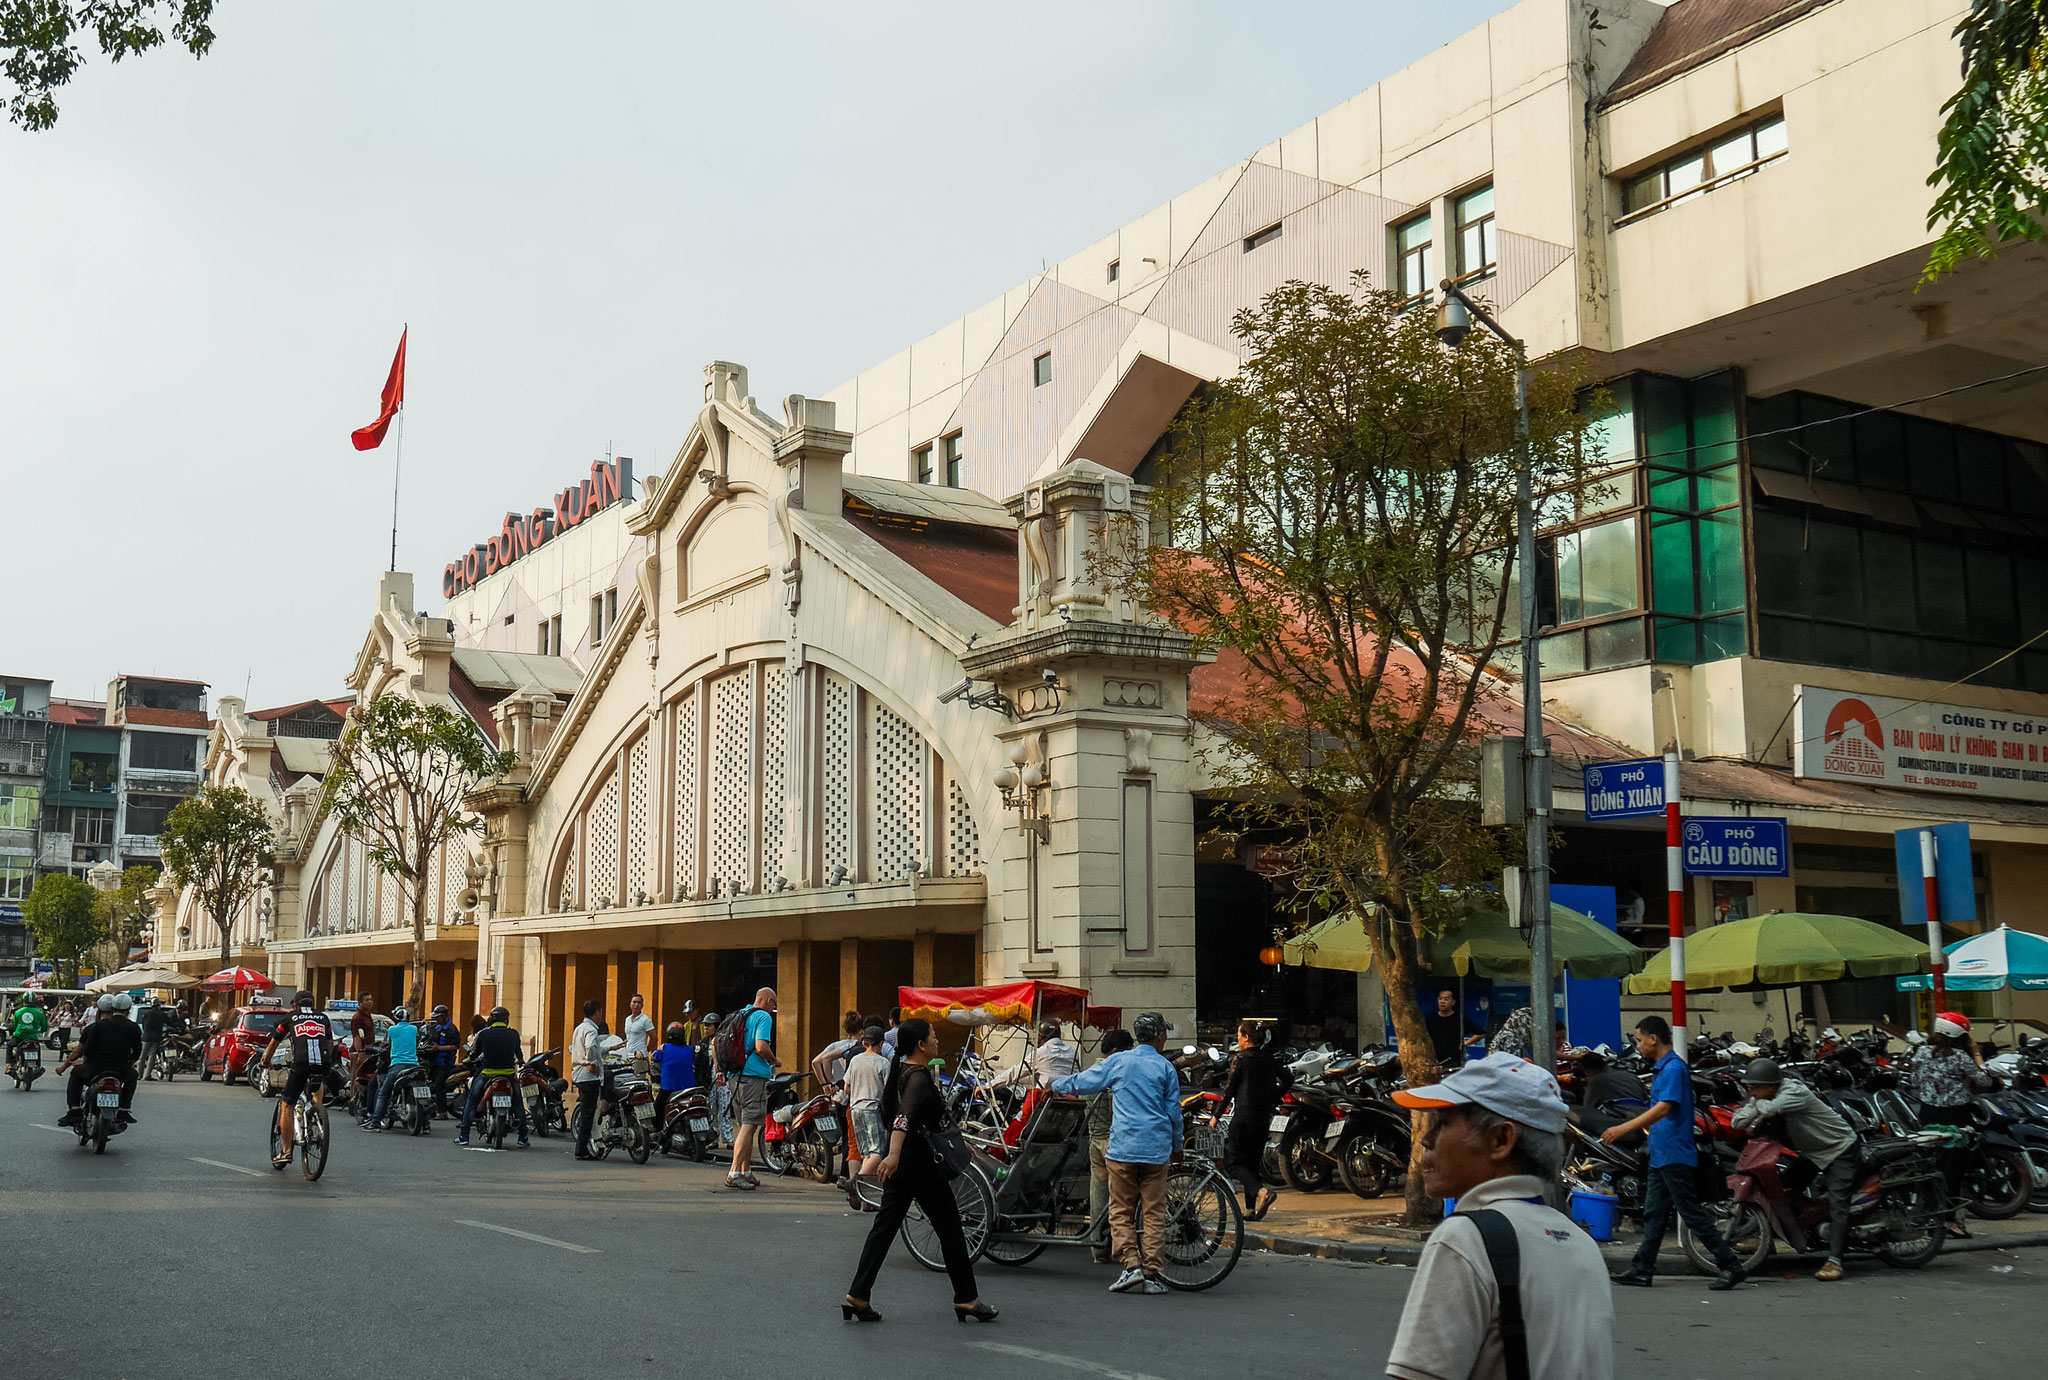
(760, 1026)
(1671, 1139)
(405, 1043)
(678, 1067)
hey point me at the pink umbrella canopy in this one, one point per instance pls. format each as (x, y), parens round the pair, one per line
(236, 980)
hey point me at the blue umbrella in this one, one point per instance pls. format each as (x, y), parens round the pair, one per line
(2005, 957)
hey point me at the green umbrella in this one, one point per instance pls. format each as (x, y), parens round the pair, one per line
(1480, 944)
(1785, 950)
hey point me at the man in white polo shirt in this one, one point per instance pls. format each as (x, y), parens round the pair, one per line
(1496, 1136)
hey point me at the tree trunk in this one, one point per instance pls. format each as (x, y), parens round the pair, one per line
(1418, 1055)
(227, 940)
(416, 993)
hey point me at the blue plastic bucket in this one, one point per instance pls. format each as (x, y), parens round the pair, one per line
(1596, 1213)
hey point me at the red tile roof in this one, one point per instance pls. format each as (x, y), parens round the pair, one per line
(136, 714)
(70, 712)
(978, 565)
(1693, 33)
(266, 715)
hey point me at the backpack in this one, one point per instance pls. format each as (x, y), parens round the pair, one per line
(729, 1043)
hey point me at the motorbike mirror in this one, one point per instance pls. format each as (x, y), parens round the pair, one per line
(1184, 1049)
(1215, 1052)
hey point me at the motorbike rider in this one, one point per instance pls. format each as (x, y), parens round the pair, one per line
(1818, 1132)
(495, 1053)
(444, 1042)
(401, 1051)
(312, 1047)
(30, 1024)
(111, 1044)
(677, 1065)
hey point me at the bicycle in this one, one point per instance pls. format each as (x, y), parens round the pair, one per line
(309, 1136)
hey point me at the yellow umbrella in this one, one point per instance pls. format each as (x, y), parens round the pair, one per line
(1338, 942)
(1784, 950)
(1481, 945)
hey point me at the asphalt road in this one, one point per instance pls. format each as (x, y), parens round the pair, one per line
(180, 1252)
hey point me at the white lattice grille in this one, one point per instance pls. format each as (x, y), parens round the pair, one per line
(639, 829)
(774, 773)
(357, 896)
(332, 889)
(963, 840)
(687, 875)
(601, 843)
(453, 880)
(836, 787)
(733, 788)
(572, 881)
(896, 756)
(389, 890)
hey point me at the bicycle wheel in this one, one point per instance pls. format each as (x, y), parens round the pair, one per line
(1008, 1250)
(977, 1204)
(313, 1152)
(1204, 1228)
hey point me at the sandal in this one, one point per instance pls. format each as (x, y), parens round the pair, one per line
(1267, 1197)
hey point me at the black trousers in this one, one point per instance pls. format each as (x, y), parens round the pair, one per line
(927, 1186)
(1243, 1148)
(74, 1091)
(587, 1095)
(1669, 1191)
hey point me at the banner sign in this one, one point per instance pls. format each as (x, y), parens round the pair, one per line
(1624, 790)
(1736, 848)
(525, 533)
(1874, 740)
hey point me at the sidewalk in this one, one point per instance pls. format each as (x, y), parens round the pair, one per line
(1335, 1225)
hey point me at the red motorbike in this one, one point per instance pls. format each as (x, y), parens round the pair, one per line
(1898, 1210)
(801, 1138)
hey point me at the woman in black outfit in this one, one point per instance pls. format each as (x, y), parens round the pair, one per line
(912, 1110)
(1253, 1091)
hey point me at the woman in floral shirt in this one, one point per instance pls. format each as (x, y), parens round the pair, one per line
(1949, 1072)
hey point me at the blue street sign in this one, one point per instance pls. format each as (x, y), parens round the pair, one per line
(1624, 790)
(1736, 848)
(1953, 886)
(47, 968)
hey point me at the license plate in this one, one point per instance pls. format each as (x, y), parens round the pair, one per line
(700, 1123)
(32, 1055)
(1335, 1130)
(501, 1100)
(423, 1094)
(644, 1110)
(826, 1123)
(110, 1099)
(1279, 1123)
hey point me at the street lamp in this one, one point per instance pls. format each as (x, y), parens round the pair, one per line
(1455, 314)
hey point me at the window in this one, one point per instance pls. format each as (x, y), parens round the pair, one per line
(88, 828)
(508, 619)
(147, 813)
(1113, 266)
(1596, 572)
(1473, 215)
(1041, 370)
(162, 752)
(550, 641)
(1414, 259)
(921, 461)
(542, 641)
(604, 611)
(1265, 236)
(16, 877)
(1699, 170)
(950, 452)
(19, 806)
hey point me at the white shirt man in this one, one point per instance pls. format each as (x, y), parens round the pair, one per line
(1054, 1058)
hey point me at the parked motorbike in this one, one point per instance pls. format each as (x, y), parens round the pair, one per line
(99, 1115)
(686, 1126)
(1897, 1212)
(627, 1118)
(181, 1052)
(24, 1063)
(542, 1085)
(801, 1138)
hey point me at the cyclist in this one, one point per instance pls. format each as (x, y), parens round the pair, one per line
(495, 1053)
(312, 1042)
(111, 1044)
(30, 1024)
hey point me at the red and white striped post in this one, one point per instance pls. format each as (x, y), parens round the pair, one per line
(1674, 877)
(1933, 895)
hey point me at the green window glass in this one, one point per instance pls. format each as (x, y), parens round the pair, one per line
(19, 806)
(1596, 572)
(1661, 403)
(1714, 425)
(1614, 644)
(1671, 567)
(1721, 638)
(1718, 488)
(1678, 639)
(1720, 545)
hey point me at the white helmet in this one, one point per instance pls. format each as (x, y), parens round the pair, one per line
(106, 1004)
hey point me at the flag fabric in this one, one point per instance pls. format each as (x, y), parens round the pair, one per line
(372, 436)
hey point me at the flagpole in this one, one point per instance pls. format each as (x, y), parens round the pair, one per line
(397, 459)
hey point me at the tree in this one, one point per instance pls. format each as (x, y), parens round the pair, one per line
(62, 916)
(217, 843)
(1991, 165)
(38, 38)
(127, 909)
(398, 780)
(1342, 517)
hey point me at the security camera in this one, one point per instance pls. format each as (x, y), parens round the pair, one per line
(955, 691)
(1453, 322)
(1050, 677)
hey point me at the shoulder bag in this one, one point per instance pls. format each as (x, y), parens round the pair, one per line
(1504, 1254)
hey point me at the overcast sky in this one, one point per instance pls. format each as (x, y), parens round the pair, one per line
(207, 264)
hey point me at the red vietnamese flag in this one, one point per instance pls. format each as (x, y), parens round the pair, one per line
(372, 436)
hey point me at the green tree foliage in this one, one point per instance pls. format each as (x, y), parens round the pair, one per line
(40, 39)
(1342, 518)
(398, 782)
(1991, 168)
(217, 843)
(127, 909)
(63, 919)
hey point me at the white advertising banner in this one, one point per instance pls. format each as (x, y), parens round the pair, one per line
(1873, 740)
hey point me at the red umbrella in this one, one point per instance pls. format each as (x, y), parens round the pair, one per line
(236, 980)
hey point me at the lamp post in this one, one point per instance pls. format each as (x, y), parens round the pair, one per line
(1455, 314)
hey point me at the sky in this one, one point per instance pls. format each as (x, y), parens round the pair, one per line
(572, 208)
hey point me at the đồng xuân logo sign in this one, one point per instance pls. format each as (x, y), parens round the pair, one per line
(525, 533)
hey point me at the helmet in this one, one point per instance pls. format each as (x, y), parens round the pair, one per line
(1149, 1026)
(499, 1015)
(440, 1013)
(1763, 1071)
(676, 1033)
(106, 1004)
(399, 1013)
(304, 998)
(1951, 1023)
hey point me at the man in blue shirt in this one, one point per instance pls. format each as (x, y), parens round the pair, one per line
(750, 1103)
(444, 1042)
(1146, 1130)
(402, 1046)
(1673, 1161)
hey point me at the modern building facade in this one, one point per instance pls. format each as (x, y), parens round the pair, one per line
(24, 757)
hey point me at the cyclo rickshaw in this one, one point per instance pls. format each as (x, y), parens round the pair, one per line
(1027, 1187)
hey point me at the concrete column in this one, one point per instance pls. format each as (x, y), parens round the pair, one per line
(790, 975)
(924, 959)
(614, 989)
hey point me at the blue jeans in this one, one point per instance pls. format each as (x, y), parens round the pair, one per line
(477, 1084)
(1668, 1189)
(383, 1102)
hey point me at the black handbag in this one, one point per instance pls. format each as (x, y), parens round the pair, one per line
(949, 1149)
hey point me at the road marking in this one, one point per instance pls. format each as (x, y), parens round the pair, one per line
(480, 1149)
(58, 1129)
(223, 1164)
(529, 1236)
(1051, 1358)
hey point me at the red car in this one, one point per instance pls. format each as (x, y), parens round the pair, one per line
(230, 1051)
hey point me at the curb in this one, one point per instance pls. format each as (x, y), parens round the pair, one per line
(1406, 1253)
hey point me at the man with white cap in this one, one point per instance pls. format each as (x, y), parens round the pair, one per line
(1508, 1286)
